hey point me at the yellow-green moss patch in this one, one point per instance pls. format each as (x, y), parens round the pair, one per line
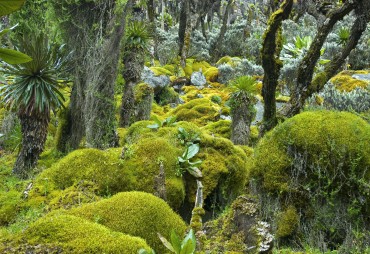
(76, 235)
(137, 214)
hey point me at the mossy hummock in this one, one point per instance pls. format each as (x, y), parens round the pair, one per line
(315, 167)
(135, 213)
(70, 234)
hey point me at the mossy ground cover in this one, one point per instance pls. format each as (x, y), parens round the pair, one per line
(98, 190)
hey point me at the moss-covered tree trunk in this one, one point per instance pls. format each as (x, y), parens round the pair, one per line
(307, 65)
(133, 66)
(100, 104)
(34, 129)
(144, 96)
(77, 23)
(242, 116)
(271, 48)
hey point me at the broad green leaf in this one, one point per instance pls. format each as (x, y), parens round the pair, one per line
(192, 151)
(153, 126)
(157, 121)
(181, 159)
(176, 242)
(189, 243)
(9, 6)
(13, 57)
(166, 243)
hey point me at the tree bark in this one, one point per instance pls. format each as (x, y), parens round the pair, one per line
(271, 63)
(100, 105)
(34, 129)
(242, 116)
(307, 65)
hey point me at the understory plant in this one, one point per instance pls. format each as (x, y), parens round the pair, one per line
(169, 122)
(242, 108)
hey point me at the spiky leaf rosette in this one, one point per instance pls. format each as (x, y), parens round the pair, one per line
(35, 88)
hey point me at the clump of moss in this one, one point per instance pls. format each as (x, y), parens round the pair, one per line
(345, 82)
(317, 163)
(200, 111)
(166, 96)
(9, 206)
(211, 74)
(158, 71)
(287, 222)
(76, 235)
(220, 128)
(137, 214)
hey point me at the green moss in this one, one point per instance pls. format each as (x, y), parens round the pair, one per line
(142, 90)
(203, 65)
(199, 111)
(76, 235)
(158, 71)
(9, 205)
(232, 61)
(345, 82)
(166, 96)
(221, 128)
(76, 195)
(288, 222)
(211, 74)
(137, 214)
(317, 161)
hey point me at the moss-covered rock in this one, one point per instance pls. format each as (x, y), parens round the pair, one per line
(70, 234)
(317, 163)
(345, 82)
(84, 175)
(200, 111)
(224, 165)
(137, 214)
(220, 128)
(211, 74)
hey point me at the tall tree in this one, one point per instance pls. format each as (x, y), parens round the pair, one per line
(77, 22)
(307, 65)
(271, 48)
(100, 105)
(306, 84)
(34, 93)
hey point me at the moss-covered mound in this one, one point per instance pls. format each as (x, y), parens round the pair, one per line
(317, 166)
(84, 175)
(199, 111)
(70, 234)
(220, 128)
(224, 165)
(137, 214)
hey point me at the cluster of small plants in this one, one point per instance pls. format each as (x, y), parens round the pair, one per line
(357, 100)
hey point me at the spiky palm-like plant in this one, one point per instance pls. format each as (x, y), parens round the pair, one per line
(136, 45)
(242, 108)
(33, 93)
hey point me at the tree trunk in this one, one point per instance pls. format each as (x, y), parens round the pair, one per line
(271, 63)
(217, 46)
(100, 105)
(127, 104)
(34, 131)
(143, 102)
(242, 117)
(183, 35)
(307, 65)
